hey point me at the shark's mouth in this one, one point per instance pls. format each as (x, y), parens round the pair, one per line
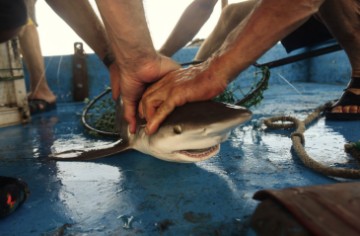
(201, 153)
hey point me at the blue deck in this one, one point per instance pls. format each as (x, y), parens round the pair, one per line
(135, 194)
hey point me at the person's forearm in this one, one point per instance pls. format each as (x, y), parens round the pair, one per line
(128, 32)
(262, 29)
(190, 22)
(80, 16)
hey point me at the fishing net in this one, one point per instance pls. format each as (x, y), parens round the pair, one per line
(99, 115)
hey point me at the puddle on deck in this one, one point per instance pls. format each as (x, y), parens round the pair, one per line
(135, 194)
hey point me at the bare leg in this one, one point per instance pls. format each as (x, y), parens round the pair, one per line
(230, 17)
(343, 20)
(190, 22)
(31, 51)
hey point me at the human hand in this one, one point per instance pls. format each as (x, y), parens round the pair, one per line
(196, 83)
(129, 81)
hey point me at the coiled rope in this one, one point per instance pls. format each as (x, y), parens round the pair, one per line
(298, 140)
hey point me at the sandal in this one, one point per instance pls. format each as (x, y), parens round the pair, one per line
(39, 105)
(348, 98)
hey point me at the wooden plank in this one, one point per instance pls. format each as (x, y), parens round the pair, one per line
(9, 116)
(14, 107)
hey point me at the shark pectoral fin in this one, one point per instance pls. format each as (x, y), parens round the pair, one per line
(91, 153)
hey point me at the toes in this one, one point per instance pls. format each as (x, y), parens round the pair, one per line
(346, 109)
(354, 109)
(337, 109)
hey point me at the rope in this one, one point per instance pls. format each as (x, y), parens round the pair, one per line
(353, 149)
(298, 141)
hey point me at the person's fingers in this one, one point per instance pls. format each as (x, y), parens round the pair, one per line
(159, 116)
(114, 81)
(141, 107)
(157, 106)
(130, 115)
(115, 89)
(147, 108)
(151, 100)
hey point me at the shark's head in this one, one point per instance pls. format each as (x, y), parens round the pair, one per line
(192, 132)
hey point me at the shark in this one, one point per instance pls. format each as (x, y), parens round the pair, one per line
(191, 133)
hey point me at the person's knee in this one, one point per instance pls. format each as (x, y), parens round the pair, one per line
(234, 13)
(205, 4)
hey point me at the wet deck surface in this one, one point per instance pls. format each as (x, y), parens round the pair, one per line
(135, 194)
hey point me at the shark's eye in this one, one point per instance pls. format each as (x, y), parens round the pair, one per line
(177, 129)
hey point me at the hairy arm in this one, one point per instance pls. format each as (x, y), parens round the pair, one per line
(270, 21)
(136, 59)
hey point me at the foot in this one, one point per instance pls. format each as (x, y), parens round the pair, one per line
(47, 96)
(349, 102)
(41, 102)
(348, 105)
(38, 105)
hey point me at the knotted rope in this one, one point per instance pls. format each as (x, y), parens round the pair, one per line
(298, 141)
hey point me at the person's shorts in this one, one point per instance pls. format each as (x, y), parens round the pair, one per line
(311, 33)
(30, 8)
(12, 14)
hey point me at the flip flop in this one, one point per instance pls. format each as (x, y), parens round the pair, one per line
(39, 105)
(347, 99)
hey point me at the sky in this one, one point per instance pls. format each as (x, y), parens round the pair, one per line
(57, 38)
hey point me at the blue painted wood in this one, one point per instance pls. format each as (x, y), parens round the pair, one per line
(135, 194)
(331, 68)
